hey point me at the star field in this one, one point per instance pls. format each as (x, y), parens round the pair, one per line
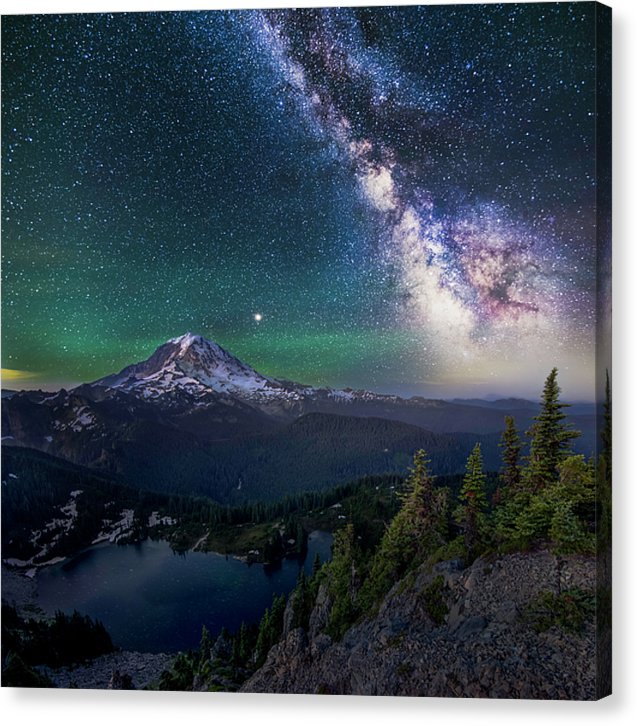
(406, 196)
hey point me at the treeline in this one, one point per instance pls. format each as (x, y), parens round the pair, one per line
(36, 486)
(65, 640)
(548, 498)
(370, 502)
(257, 512)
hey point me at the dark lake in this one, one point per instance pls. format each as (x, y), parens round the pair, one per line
(153, 600)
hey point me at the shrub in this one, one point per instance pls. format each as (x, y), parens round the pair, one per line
(567, 533)
(434, 600)
(454, 550)
(568, 610)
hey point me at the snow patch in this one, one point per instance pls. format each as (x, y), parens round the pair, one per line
(341, 395)
(46, 538)
(114, 532)
(84, 420)
(154, 520)
(15, 562)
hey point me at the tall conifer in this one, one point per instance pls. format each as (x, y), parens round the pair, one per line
(414, 534)
(475, 499)
(550, 438)
(511, 446)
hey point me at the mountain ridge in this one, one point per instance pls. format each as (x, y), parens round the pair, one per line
(192, 418)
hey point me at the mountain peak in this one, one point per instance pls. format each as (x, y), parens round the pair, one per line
(189, 363)
(196, 345)
(187, 339)
(195, 353)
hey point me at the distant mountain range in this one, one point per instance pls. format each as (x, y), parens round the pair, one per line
(522, 404)
(193, 418)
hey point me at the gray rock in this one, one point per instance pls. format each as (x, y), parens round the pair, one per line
(450, 567)
(288, 615)
(455, 615)
(121, 682)
(392, 631)
(507, 613)
(321, 613)
(470, 626)
(320, 644)
(483, 650)
(122, 669)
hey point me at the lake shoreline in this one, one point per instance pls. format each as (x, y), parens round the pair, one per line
(152, 599)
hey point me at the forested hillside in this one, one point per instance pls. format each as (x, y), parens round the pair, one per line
(551, 507)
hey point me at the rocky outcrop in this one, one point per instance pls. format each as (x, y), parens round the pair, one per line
(122, 670)
(475, 643)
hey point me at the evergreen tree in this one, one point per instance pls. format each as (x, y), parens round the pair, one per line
(341, 582)
(270, 629)
(565, 529)
(511, 445)
(301, 540)
(263, 639)
(475, 501)
(241, 646)
(302, 602)
(415, 533)
(550, 438)
(205, 646)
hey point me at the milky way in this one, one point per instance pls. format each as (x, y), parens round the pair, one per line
(406, 196)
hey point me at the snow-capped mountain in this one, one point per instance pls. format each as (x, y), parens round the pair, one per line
(191, 373)
(194, 418)
(192, 365)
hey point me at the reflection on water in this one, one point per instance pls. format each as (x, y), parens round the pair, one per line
(151, 599)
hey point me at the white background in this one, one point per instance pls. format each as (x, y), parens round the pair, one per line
(101, 708)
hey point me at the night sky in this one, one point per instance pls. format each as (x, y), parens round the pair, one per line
(406, 196)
